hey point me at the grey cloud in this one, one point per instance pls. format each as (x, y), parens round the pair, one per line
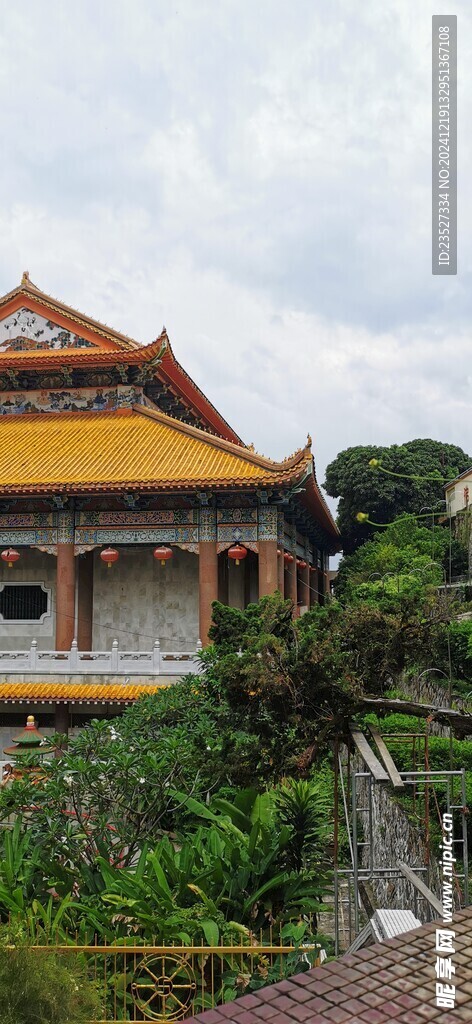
(256, 177)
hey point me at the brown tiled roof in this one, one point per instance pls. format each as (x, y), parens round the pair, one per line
(392, 982)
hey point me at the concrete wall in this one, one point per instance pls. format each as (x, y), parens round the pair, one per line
(33, 567)
(455, 494)
(138, 601)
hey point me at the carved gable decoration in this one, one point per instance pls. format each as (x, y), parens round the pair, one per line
(25, 330)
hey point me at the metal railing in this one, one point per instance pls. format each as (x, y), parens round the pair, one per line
(170, 983)
(114, 662)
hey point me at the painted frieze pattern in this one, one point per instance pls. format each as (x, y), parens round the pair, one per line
(34, 537)
(23, 520)
(236, 516)
(237, 534)
(280, 529)
(183, 527)
(155, 517)
(267, 522)
(65, 527)
(207, 526)
(24, 330)
(71, 400)
(171, 535)
(28, 528)
(236, 525)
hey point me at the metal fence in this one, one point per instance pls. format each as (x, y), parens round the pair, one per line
(171, 983)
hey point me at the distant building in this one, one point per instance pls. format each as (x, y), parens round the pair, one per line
(127, 506)
(459, 507)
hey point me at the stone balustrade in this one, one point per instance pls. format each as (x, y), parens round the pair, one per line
(114, 662)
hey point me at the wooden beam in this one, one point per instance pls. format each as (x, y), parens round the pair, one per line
(366, 752)
(460, 721)
(420, 887)
(387, 759)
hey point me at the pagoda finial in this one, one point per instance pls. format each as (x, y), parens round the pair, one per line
(26, 278)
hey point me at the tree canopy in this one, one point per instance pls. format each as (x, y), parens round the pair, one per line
(363, 489)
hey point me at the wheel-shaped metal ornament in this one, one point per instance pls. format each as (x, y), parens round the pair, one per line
(163, 987)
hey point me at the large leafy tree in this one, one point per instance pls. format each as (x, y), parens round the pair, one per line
(363, 489)
(404, 558)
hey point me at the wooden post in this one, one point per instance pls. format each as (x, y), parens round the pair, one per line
(291, 583)
(61, 723)
(281, 571)
(208, 584)
(65, 597)
(268, 571)
(305, 586)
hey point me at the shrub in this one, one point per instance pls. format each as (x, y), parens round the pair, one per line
(41, 987)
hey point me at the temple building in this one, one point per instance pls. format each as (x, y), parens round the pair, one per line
(127, 505)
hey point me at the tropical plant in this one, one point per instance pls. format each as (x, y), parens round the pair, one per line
(305, 807)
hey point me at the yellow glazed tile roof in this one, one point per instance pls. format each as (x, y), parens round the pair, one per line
(72, 692)
(142, 448)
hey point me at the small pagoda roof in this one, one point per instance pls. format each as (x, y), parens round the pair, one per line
(28, 740)
(138, 449)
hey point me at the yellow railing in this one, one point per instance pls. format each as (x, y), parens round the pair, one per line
(170, 983)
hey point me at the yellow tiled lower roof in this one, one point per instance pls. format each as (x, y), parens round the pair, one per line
(142, 448)
(117, 693)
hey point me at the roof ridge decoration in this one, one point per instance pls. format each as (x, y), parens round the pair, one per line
(171, 373)
(30, 290)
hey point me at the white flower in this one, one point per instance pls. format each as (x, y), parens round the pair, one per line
(142, 781)
(68, 780)
(208, 748)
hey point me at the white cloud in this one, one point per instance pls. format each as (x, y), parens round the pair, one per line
(256, 178)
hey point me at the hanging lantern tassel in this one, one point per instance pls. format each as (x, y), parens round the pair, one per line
(237, 553)
(10, 556)
(163, 554)
(109, 555)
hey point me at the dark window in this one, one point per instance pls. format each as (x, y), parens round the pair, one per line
(26, 602)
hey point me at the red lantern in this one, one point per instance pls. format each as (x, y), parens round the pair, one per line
(237, 552)
(301, 564)
(109, 555)
(163, 554)
(278, 552)
(288, 558)
(10, 556)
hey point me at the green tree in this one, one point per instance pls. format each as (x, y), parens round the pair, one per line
(398, 561)
(362, 489)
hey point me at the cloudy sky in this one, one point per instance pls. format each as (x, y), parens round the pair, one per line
(255, 176)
